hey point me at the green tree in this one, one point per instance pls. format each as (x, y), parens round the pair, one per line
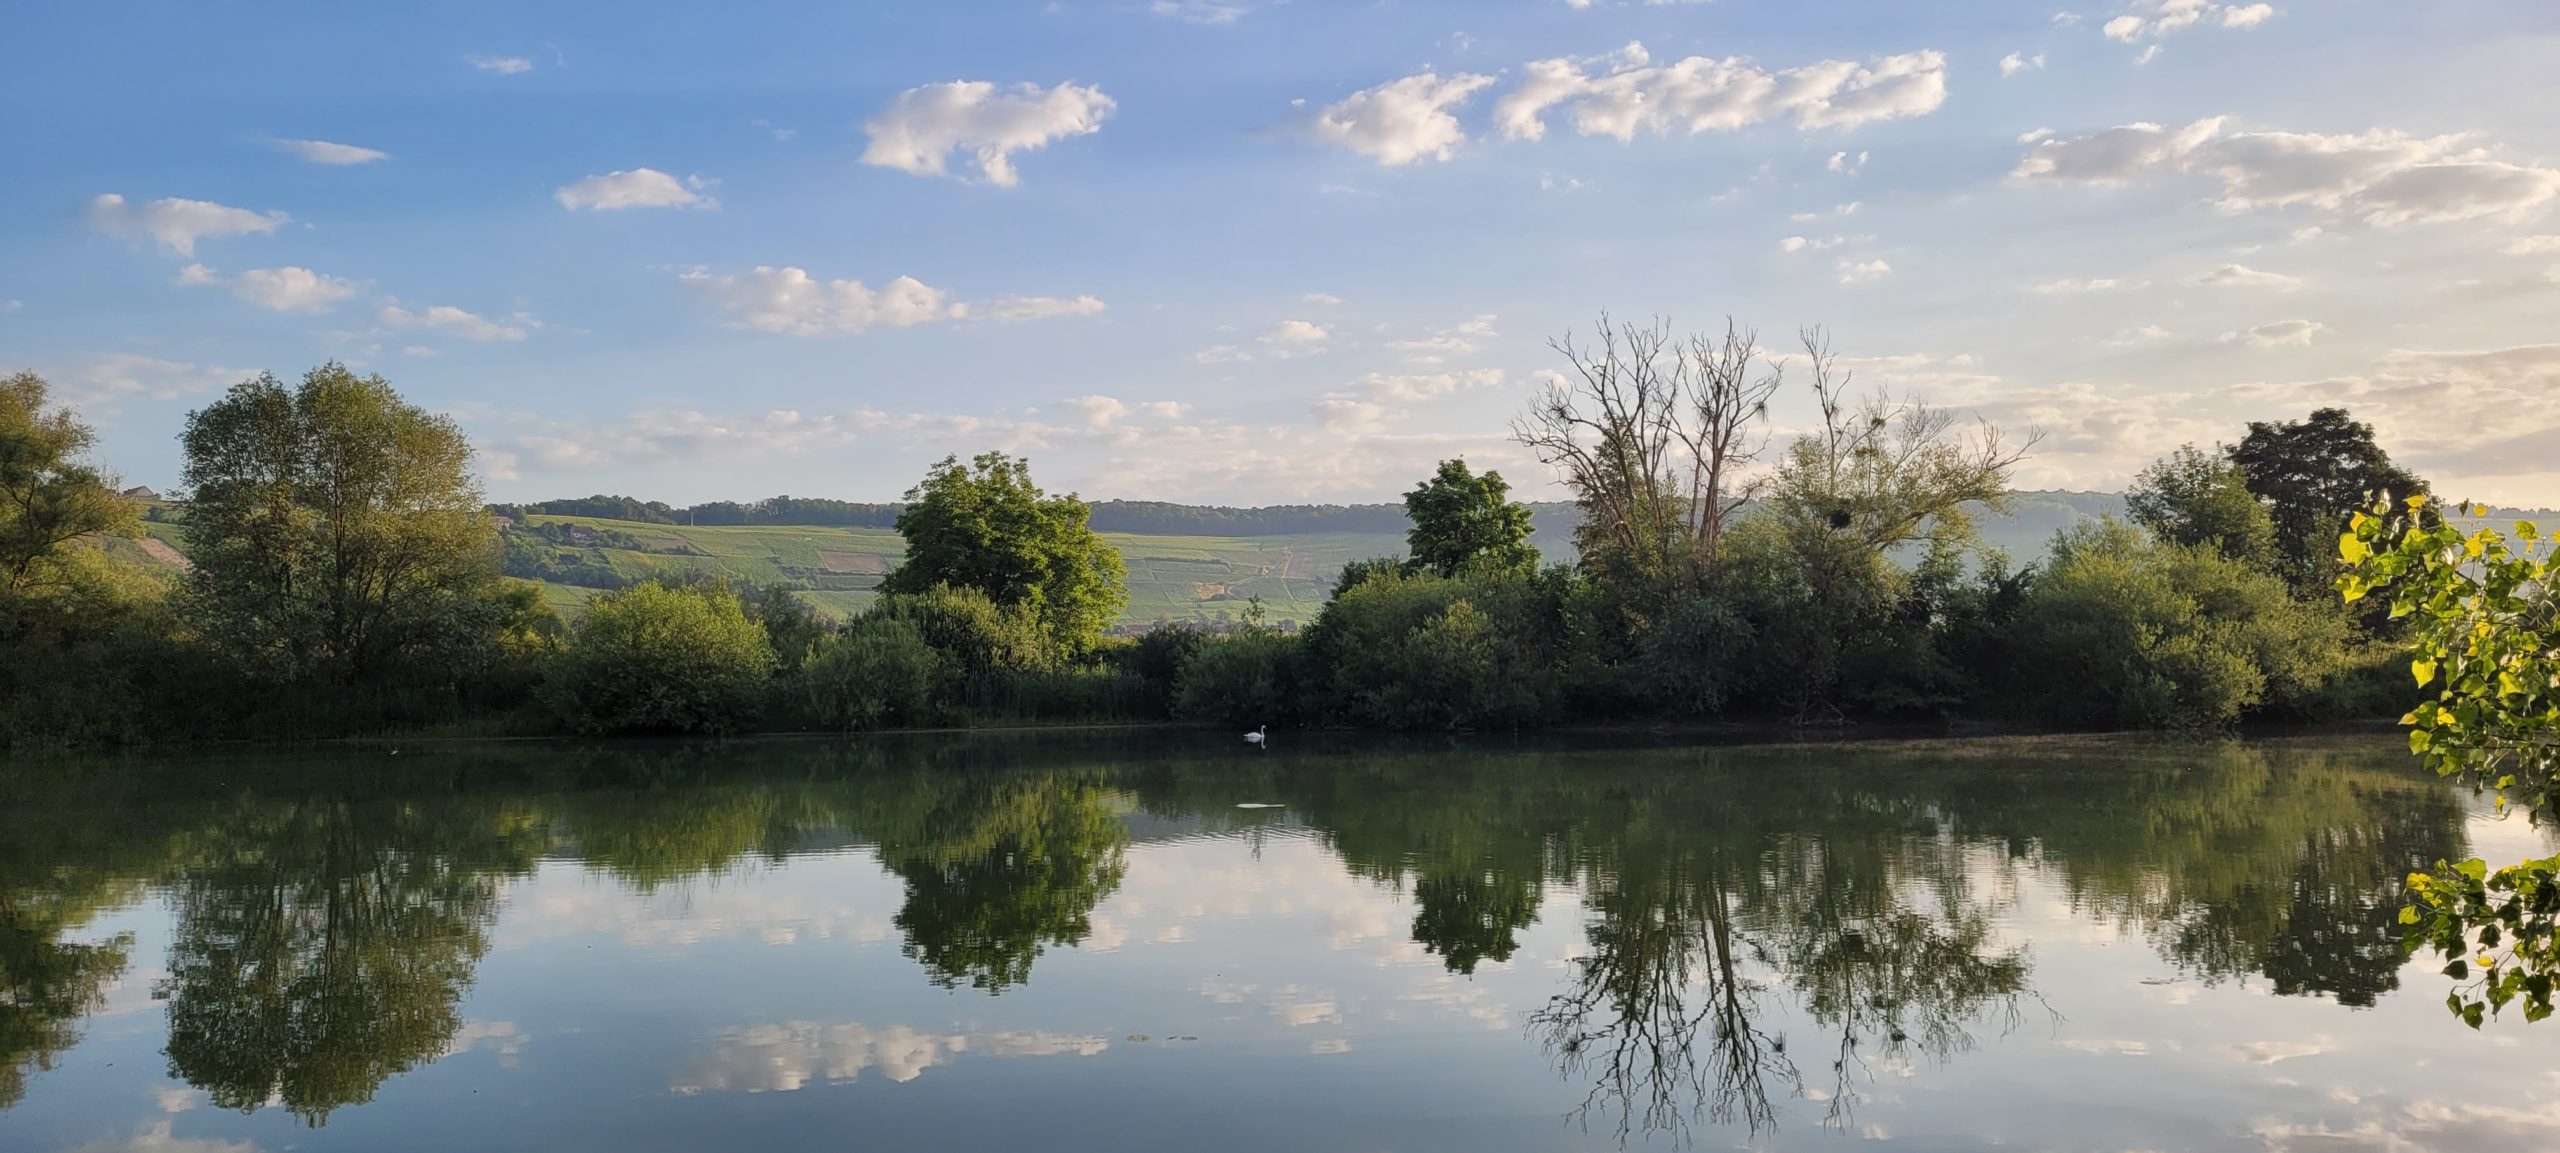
(985, 526)
(656, 658)
(48, 497)
(1459, 517)
(2485, 634)
(336, 530)
(2314, 474)
(2191, 497)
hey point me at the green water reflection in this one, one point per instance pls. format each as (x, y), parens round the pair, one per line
(1754, 926)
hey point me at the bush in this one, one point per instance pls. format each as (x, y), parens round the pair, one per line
(978, 636)
(1246, 677)
(877, 674)
(655, 658)
(2123, 632)
(1423, 651)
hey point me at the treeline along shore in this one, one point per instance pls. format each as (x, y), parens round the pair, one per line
(346, 577)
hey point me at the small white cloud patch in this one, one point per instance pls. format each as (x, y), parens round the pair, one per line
(789, 300)
(637, 188)
(1401, 121)
(920, 129)
(330, 153)
(178, 223)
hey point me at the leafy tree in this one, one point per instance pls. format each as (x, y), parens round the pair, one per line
(48, 498)
(986, 526)
(2485, 633)
(2191, 497)
(1460, 517)
(997, 872)
(2314, 474)
(336, 531)
(658, 658)
(1427, 652)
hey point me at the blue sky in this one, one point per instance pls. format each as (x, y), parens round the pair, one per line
(1255, 252)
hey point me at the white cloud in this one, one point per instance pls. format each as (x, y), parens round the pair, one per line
(1407, 387)
(1204, 11)
(324, 152)
(1324, 298)
(1441, 343)
(789, 300)
(1096, 411)
(1296, 332)
(122, 376)
(2071, 287)
(919, 130)
(1842, 162)
(2532, 245)
(2147, 55)
(1010, 308)
(1811, 243)
(502, 65)
(1401, 121)
(637, 188)
(12, 305)
(1862, 272)
(2380, 177)
(2014, 63)
(1624, 93)
(178, 223)
(1342, 414)
(287, 289)
(2157, 18)
(2282, 332)
(2066, 19)
(2243, 276)
(1220, 354)
(469, 326)
(2247, 15)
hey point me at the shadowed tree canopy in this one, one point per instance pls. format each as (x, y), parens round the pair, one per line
(335, 528)
(1460, 516)
(48, 497)
(2192, 497)
(985, 526)
(2314, 474)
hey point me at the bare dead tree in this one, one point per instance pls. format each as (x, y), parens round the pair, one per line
(1886, 470)
(1656, 436)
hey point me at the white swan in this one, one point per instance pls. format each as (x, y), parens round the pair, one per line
(1257, 736)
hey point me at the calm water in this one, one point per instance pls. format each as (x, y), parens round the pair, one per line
(1076, 943)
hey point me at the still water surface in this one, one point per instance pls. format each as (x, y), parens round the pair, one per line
(1122, 944)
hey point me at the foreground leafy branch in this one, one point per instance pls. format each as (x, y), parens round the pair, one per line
(2485, 628)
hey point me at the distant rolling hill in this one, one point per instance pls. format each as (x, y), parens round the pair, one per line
(1185, 562)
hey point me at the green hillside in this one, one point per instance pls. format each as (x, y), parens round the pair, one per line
(1172, 576)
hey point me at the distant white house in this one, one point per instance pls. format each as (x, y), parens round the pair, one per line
(140, 492)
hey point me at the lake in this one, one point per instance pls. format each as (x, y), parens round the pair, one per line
(1154, 942)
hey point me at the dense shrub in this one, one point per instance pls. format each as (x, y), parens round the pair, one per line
(2123, 631)
(1248, 677)
(978, 636)
(1420, 651)
(878, 673)
(657, 658)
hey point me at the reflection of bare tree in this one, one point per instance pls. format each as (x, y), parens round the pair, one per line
(1660, 1013)
(1667, 1014)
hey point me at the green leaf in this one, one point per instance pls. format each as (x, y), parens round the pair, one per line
(2424, 668)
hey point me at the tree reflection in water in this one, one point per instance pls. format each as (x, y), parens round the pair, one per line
(1755, 925)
